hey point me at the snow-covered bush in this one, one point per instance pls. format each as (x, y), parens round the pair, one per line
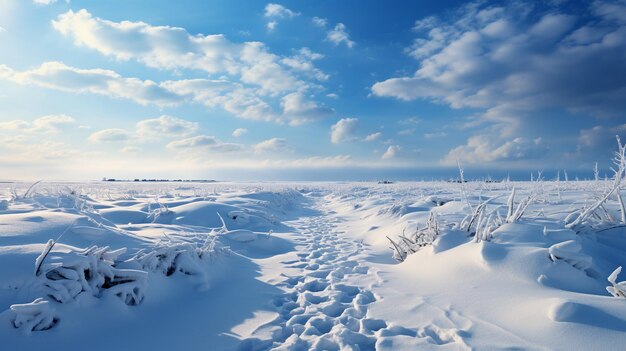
(616, 289)
(93, 271)
(169, 256)
(408, 244)
(35, 316)
(596, 215)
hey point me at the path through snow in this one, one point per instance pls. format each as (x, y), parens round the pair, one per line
(325, 304)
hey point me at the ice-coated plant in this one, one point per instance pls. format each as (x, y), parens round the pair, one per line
(589, 217)
(616, 289)
(34, 316)
(94, 271)
(411, 243)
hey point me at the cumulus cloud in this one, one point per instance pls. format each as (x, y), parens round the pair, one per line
(111, 135)
(373, 136)
(271, 25)
(45, 124)
(297, 109)
(57, 75)
(235, 98)
(512, 59)
(392, 151)
(239, 132)
(339, 35)
(343, 130)
(319, 22)
(250, 78)
(165, 126)
(273, 144)
(513, 63)
(279, 11)
(174, 48)
(482, 149)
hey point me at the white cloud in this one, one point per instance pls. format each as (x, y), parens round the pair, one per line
(273, 144)
(235, 98)
(52, 122)
(392, 151)
(15, 125)
(373, 136)
(45, 124)
(319, 22)
(203, 142)
(165, 126)
(232, 97)
(279, 11)
(271, 25)
(56, 75)
(514, 60)
(339, 35)
(408, 131)
(173, 48)
(517, 64)
(239, 132)
(482, 149)
(44, 2)
(297, 109)
(251, 77)
(302, 62)
(111, 135)
(343, 130)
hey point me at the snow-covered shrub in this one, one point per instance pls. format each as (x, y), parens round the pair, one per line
(408, 244)
(93, 271)
(570, 251)
(596, 215)
(158, 214)
(169, 256)
(616, 289)
(35, 316)
(514, 214)
(480, 224)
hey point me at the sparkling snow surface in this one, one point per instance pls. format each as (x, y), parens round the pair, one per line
(300, 266)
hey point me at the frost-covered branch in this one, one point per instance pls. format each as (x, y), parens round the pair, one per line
(35, 316)
(618, 174)
(616, 289)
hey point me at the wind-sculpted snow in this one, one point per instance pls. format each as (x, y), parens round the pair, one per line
(310, 266)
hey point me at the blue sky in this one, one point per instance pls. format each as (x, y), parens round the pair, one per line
(308, 89)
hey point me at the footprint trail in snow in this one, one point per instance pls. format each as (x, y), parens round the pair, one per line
(325, 305)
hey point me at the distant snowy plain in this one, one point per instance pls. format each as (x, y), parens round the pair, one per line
(299, 266)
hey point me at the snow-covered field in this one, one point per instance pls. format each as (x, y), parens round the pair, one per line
(298, 266)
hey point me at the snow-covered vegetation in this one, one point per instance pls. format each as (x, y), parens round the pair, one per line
(307, 265)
